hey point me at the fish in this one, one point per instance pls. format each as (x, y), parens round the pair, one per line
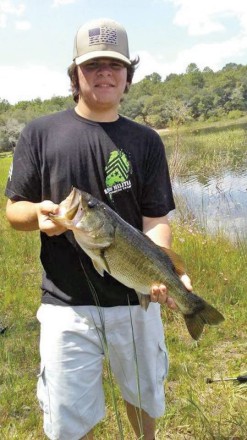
(131, 257)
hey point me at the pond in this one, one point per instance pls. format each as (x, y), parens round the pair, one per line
(218, 204)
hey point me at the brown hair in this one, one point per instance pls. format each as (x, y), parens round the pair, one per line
(74, 82)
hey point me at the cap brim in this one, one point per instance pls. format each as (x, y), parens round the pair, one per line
(101, 54)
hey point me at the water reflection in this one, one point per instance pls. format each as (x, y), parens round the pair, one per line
(218, 204)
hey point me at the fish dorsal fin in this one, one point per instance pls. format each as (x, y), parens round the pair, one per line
(176, 260)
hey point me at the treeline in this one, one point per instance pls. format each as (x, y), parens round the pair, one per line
(14, 117)
(194, 95)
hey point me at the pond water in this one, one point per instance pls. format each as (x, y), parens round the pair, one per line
(217, 204)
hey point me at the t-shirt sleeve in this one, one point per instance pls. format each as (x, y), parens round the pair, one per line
(24, 175)
(157, 197)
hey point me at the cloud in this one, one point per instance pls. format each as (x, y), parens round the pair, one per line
(8, 7)
(62, 2)
(30, 82)
(214, 55)
(201, 18)
(23, 25)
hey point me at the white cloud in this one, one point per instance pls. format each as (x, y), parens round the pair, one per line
(27, 83)
(9, 7)
(23, 25)
(214, 55)
(205, 17)
(62, 2)
(149, 63)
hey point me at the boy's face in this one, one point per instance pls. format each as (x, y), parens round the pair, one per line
(102, 82)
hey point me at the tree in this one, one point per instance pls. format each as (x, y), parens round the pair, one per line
(207, 70)
(194, 76)
(154, 111)
(192, 68)
(132, 108)
(179, 113)
(231, 66)
(171, 76)
(4, 105)
(237, 100)
(154, 78)
(10, 134)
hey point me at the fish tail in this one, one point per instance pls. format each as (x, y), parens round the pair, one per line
(206, 315)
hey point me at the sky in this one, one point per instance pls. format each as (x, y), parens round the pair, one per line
(36, 39)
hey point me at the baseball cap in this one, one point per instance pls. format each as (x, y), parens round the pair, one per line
(101, 38)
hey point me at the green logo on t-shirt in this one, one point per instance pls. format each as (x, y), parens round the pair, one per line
(117, 172)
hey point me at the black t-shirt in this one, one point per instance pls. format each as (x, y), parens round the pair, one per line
(122, 163)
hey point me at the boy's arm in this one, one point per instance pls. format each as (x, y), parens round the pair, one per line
(29, 216)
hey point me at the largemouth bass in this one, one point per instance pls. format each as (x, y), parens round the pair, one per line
(130, 257)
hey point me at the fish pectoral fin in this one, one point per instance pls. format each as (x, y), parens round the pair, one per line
(101, 264)
(176, 260)
(97, 266)
(144, 300)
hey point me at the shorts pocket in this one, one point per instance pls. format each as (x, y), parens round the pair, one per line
(42, 391)
(162, 362)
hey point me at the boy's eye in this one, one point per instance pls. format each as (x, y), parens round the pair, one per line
(91, 66)
(94, 65)
(116, 65)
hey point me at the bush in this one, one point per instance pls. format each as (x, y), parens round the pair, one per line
(235, 114)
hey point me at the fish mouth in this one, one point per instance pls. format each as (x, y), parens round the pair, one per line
(68, 208)
(74, 201)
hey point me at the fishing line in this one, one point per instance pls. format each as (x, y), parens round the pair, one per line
(140, 421)
(103, 339)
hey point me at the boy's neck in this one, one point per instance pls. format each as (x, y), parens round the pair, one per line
(106, 115)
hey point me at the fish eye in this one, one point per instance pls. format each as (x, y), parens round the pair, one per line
(92, 203)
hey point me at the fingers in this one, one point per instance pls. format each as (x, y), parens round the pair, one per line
(46, 225)
(47, 207)
(159, 294)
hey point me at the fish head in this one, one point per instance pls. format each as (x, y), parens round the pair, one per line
(87, 217)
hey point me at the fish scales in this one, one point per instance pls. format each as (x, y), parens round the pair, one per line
(138, 269)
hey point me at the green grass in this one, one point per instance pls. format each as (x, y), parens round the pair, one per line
(203, 150)
(195, 410)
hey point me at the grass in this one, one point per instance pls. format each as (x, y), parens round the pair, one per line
(204, 150)
(200, 410)
(195, 410)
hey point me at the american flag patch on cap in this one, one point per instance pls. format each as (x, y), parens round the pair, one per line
(102, 35)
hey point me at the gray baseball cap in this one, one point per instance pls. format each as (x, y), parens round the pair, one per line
(101, 38)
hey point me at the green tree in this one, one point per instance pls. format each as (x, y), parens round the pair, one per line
(4, 106)
(192, 68)
(10, 132)
(154, 78)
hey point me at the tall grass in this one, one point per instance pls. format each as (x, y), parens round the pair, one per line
(195, 410)
(202, 150)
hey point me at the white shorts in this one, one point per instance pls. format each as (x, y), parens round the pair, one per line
(73, 347)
